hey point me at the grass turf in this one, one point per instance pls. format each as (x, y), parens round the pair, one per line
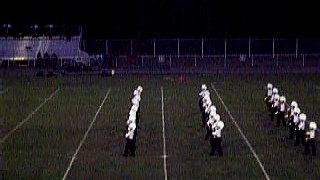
(43, 147)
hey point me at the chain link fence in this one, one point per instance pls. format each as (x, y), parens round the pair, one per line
(163, 54)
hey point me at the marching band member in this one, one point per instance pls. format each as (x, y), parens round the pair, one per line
(130, 140)
(282, 111)
(291, 124)
(216, 136)
(275, 106)
(268, 94)
(311, 141)
(300, 132)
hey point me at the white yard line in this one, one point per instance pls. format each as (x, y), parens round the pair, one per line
(29, 116)
(242, 134)
(164, 138)
(85, 135)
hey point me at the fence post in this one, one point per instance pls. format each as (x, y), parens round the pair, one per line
(273, 48)
(107, 47)
(170, 61)
(116, 62)
(178, 48)
(225, 52)
(142, 61)
(11, 56)
(277, 60)
(251, 60)
(195, 60)
(131, 46)
(297, 46)
(202, 47)
(303, 60)
(7, 50)
(154, 48)
(249, 47)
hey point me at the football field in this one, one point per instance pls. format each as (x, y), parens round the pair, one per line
(73, 127)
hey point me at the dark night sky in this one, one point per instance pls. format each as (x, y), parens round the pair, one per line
(172, 18)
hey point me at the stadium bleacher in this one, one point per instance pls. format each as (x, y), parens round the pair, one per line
(29, 48)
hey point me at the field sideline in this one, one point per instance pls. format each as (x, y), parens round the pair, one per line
(75, 125)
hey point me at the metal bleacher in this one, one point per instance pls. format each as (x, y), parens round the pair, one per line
(28, 48)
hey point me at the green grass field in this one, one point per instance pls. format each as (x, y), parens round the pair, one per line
(42, 147)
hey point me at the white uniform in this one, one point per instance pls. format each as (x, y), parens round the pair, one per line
(296, 119)
(132, 112)
(130, 140)
(207, 104)
(136, 98)
(204, 93)
(130, 133)
(131, 119)
(311, 141)
(276, 104)
(212, 110)
(211, 121)
(291, 111)
(282, 107)
(207, 108)
(135, 108)
(217, 127)
(312, 134)
(301, 125)
(135, 92)
(201, 93)
(269, 92)
(300, 133)
(139, 89)
(216, 137)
